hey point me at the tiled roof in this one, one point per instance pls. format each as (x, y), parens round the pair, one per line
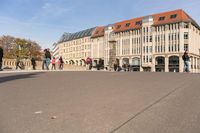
(181, 16)
(99, 32)
(127, 24)
(135, 23)
(72, 36)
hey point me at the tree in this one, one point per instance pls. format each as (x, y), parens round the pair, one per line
(20, 47)
(7, 44)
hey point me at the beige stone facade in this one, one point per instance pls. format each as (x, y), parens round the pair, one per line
(152, 44)
(76, 51)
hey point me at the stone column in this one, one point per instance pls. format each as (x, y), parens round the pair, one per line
(193, 64)
(120, 44)
(166, 63)
(181, 63)
(131, 46)
(120, 61)
(130, 60)
(153, 64)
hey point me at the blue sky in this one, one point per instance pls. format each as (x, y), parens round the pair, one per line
(44, 21)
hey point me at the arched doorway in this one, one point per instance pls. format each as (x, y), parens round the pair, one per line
(66, 62)
(160, 64)
(83, 62)
(125, 61)
(76, 62)
(94, 63)
(173, 64)
(71, 62)
(100, 64)
(135, 65)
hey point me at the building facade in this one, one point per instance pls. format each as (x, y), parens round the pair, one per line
(151, 43)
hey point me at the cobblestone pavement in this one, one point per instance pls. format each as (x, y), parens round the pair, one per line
(99, 102)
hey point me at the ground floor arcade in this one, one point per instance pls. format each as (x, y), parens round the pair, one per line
(159, 63)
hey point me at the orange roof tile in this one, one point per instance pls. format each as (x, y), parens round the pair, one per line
(181, 16)
(123, 26)
(126, 25)
(98, 32)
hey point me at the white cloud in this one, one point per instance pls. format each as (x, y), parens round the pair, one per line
(54, 9)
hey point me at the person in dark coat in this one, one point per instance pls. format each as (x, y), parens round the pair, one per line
(47, 58)
(33, 62)
(1, 58)
(186, 60)
(61, 63)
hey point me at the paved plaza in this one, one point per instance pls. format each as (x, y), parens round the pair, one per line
(99, 102)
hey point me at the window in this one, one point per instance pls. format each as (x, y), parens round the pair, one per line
(155, 38)
(128, 24)
(97, 32)
(161, 18)
(147, 49)
(150, 49)
(173, 16)
(147, 59)
(185, 47)
(185, 35)
(186, 25)
(118, 26)
(150, 59)
(150, 39)
(144, 59)
(138, 23)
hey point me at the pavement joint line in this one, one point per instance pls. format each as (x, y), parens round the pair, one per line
(147, 108)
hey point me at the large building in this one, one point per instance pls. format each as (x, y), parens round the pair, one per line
(150, 43)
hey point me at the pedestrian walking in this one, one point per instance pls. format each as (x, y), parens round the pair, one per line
(18, 63)
(47, 58)
(61, 63)
(33, 62)
(115, 67)
(1, 58)
(53, 62)
(186, 60)
(43, 61)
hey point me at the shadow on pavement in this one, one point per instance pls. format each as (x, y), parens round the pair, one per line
(16, 77)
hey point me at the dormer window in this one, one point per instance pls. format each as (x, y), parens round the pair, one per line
(128, 24)
(138, 23)
(119, 26)
(97, 32)
(173, 16)
(161, 18)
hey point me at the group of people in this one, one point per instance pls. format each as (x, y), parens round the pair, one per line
(47, 60)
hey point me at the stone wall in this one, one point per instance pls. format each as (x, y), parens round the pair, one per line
(10, 64)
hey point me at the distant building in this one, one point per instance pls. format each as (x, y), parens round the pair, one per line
(151, 43)
(55, 51)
